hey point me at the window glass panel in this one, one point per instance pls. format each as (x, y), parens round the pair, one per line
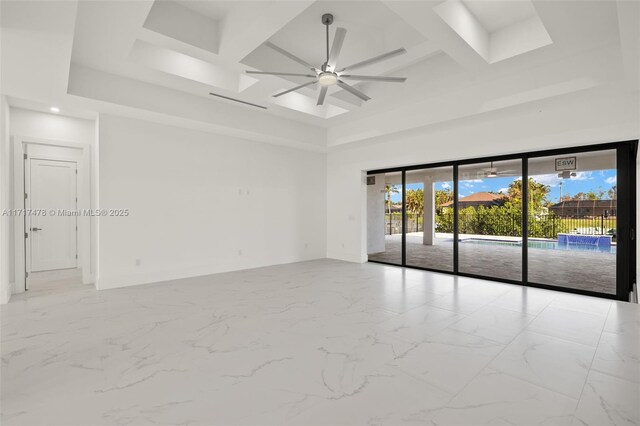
(429, 207)
(572, 221)
(384, 217)
(490, 219)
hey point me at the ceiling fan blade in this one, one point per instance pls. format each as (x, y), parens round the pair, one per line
(290, 55)
(379, 58)
(321, 96)
(374, 78)
(281, 73)
(336, 47)
(295, 88)
(353, 90)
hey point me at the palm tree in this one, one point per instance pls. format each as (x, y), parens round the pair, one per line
(415, 203)
(390, 190)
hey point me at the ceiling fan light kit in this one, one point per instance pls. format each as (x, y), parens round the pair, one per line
(326, 75)
(327, 79)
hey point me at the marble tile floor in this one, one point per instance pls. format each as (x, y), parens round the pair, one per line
(322, 342)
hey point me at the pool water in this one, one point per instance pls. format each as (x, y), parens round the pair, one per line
(535, 244)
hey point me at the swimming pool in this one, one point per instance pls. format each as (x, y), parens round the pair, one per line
(537, 244)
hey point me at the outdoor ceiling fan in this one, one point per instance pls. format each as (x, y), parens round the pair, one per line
(328, 75)
(493, 172)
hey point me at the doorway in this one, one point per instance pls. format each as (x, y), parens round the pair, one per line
(53, 236)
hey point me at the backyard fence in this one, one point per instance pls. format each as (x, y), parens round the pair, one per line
(506, 224)
(415, 223)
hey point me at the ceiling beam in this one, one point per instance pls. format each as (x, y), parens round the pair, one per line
(423, 18)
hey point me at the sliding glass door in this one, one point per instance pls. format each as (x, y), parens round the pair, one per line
(573, 215)
(562, 219)
(490, 219)
(384, 217)
(429, 218)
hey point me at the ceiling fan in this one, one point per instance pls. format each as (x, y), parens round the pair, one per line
(493, 172)
(328, 74)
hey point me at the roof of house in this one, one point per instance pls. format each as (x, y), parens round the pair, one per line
(478, 197)
(584, 203)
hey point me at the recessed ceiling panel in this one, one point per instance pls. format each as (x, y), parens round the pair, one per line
(174, 20)
(181, 65)
(496, 29)
(495, 15)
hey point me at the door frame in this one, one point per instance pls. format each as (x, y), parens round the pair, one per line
(626, 261)
(87, 226)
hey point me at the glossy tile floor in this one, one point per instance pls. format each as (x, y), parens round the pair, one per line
(322, 342)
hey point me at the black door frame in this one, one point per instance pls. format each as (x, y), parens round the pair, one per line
(626, 152)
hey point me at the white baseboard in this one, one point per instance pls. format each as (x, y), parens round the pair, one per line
(347, 257)
(5, 296)
(149, 277)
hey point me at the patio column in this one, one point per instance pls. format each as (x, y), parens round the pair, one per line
(429, 212)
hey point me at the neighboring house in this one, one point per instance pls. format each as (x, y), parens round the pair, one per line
(395, 208)
(584, 208)
(478, 199)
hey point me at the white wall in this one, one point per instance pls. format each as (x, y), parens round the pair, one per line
(580, 119)
(37, 125)
(43, 125)
(5, 223)
(202, 203)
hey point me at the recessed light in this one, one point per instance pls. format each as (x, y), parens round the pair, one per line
(55, 109)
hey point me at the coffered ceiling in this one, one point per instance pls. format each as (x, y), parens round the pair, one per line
(162, 59)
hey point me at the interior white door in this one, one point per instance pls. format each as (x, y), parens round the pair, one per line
(52, 237)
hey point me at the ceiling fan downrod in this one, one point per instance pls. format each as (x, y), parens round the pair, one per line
(327, 19)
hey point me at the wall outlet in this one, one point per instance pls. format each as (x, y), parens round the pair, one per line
(138, 262)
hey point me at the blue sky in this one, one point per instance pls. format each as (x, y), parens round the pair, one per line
(583, 182)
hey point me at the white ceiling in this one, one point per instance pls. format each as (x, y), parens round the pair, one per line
(495, 15)
(216, 10)
(99, 56)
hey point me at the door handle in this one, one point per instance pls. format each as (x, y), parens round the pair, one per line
(36, 229)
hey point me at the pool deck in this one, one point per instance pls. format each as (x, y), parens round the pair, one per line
(583, 270)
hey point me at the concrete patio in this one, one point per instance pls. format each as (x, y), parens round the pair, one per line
(583, 270)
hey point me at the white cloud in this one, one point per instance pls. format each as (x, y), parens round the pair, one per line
(583, 176)
(611, 180)
(553, 180)
(503, 190)
(445, 185)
